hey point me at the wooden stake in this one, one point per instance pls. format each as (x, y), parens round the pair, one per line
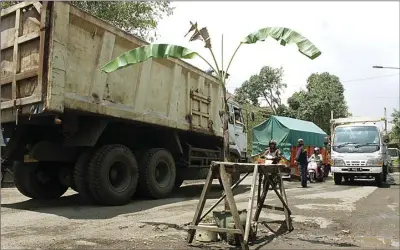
(200, 205)
(251, 204)
(232, 204)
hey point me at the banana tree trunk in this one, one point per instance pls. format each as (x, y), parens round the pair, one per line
(226, 142)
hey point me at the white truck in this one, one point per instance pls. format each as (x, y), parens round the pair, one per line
(141, 130)
(358, 149)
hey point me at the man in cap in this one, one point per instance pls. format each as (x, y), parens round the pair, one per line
(302, 161)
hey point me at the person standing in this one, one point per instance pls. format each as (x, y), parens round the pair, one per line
(302, 161)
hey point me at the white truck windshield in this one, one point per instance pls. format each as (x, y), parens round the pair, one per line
(352, 139)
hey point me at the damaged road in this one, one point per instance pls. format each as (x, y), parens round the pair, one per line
(324, 216)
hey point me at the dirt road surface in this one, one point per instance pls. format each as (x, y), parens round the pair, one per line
(325, 216)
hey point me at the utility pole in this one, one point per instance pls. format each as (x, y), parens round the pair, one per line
(384, 110)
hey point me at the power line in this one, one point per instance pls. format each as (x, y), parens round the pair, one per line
(369, 78)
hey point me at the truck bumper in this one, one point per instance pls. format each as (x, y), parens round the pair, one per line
(357, 170)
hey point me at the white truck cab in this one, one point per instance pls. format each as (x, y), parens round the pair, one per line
(358, 149)
(237, 132)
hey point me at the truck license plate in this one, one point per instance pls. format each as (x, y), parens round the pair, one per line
(355, 169)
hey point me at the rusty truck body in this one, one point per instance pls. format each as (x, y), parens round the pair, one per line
(107, 136)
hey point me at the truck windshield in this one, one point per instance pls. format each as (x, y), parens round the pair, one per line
(357, 139)
(393, 152)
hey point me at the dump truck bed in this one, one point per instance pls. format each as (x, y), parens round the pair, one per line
(51, 59)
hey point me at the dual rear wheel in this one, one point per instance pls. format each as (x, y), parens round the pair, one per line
(106, 176)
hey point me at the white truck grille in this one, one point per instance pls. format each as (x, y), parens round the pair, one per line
(356, 163)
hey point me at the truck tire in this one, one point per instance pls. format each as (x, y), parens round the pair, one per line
(28, 182)
(81, 176)
(113, 175)
(379, 179)
(157, 173)
(337, 178)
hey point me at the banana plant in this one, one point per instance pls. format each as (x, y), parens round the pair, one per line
(280, 34)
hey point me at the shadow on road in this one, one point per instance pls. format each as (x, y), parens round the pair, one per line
(322, 242)
(365, 183)
(73, 207)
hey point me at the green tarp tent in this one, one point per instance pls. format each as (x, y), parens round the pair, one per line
(286, 131)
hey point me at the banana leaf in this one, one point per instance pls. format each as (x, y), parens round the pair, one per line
(201, 34)
(285, 36)
(144, 53)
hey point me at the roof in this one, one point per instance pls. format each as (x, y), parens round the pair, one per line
(299, 125)
(358, 125)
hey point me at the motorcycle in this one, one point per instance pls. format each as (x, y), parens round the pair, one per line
(315, 173)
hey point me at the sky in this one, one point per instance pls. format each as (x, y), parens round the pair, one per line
(353, 36)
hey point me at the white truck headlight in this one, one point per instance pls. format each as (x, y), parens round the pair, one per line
(338, 163)
(375, 162)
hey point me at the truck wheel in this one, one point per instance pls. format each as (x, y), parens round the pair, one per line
(379, 179)
(337, 178)
(38, 180)
(157, 173)
(81, 176)
(113, 175)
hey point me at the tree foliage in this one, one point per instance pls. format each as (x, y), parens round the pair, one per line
(268, 85)
(138, 17)
(324, 92)
(395, 132)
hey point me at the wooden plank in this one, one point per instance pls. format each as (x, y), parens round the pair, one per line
(99, 78)
(21, 101)
(42, 43)
(20, 76)
(16, 7)
(15, 54)
(21, 39)
(246, 167)
(200, 113)
(216, 229)
(261, 201)
(200, 205)
(279, 195)
(250, 204)
(232, 204)
(38, 7)
(287, 214)
(223, 197)
(273, 207)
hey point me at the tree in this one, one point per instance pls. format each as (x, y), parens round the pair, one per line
(324, 93)
(139, 18)
(141, 54)
(268, 85)
(395, 132)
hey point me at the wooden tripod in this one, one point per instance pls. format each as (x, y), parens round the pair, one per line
(269, 176)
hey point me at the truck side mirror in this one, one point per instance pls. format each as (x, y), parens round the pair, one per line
(252, 116)
(326, 141)
(385, 139)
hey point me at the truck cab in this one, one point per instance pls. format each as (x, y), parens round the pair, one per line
(358, 149)
(237, 132)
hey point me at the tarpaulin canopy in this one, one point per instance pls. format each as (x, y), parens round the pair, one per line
(286, 131)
